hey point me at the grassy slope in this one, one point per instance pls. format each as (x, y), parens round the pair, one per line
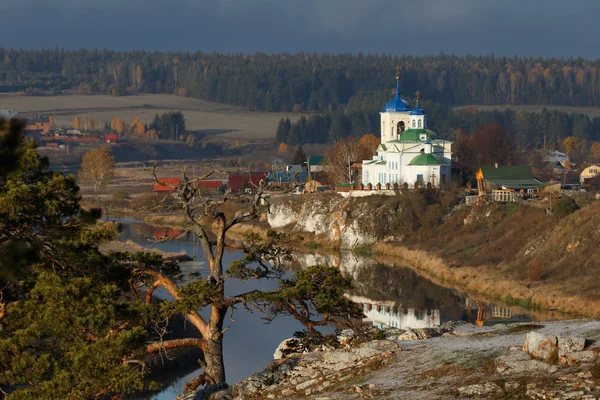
(512, 251)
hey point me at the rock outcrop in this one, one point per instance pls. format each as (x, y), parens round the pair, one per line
(346, 223)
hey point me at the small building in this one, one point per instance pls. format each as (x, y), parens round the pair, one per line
(169, 185)
(500, 180)
(316, 163)
(237, 180)
(39, 122)
(110, 138)
(588, 174)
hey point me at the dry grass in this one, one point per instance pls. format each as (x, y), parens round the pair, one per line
(227, 121)
(491, 259)
(132, 247)
(166, 220)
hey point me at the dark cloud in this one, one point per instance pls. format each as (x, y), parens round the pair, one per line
(503, 27)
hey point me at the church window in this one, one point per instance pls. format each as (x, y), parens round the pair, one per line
(419, 123)
(414, 123)
(401, 127)
(420, 179)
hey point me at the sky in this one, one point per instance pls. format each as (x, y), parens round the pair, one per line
(549, 28)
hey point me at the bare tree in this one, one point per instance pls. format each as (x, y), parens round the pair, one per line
(262, 260)
(97, 168)
(338, 159)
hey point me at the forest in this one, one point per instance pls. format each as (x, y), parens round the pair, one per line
(304, 82)
(530, 131)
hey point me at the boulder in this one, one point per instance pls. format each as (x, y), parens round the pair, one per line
(570, 344)
(288, 347)
(540, 346)
(346, 337)
(576, 357)
(518, 362)
(571, 351)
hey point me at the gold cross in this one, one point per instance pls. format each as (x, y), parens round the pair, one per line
(418, 94)
(397, 68)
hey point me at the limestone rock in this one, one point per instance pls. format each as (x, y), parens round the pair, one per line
(287, 347)
(518, 362)
(345, 337)
(576, 357)
(570, 344)
(540, 346)
(422, 333)
(480, 389)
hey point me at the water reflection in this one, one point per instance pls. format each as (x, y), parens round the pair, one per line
(390, 295)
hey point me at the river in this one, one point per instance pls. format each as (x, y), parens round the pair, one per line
(390, 296)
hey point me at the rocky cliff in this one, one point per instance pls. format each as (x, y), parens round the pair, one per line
(345, 223)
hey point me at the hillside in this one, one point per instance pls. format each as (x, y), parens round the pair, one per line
(313, 82)
(511, 252)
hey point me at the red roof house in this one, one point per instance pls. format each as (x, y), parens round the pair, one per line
(169, 183)
(110, 138)
(236, 180)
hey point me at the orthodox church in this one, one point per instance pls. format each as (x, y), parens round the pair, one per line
(409, 152)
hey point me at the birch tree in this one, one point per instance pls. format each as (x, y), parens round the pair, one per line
(97, 168)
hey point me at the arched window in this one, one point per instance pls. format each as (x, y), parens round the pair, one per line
(401, 127)
(414, 124)
(419, 123)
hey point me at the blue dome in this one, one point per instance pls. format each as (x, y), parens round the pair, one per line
(397, 104)
(417, 111)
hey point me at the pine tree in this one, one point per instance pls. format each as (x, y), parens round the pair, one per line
(299, 157)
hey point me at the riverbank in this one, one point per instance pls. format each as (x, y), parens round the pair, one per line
(509, 253)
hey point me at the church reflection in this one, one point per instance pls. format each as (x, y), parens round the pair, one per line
(400, 298)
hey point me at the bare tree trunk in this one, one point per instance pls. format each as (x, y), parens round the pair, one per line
(214, 369)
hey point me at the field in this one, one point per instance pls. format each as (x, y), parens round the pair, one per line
(228, 122)
(589, 111)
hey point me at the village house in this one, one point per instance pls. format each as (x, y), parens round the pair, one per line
(39, 122)
(588, 174)
(504, 181)
(409, 152)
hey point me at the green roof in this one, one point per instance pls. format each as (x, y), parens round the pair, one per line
(517, 183)
(507, 172)
(425, 159)
(414, 135)
(511, 176)
(316, 160)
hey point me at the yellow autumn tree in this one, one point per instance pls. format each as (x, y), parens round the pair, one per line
(595, 151)
(137, 127)
(76, 122)
(51, 118)
(283, 148)
(571, 145)
(368, 145)
(117, 125)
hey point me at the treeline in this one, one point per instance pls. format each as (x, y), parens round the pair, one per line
(304, 82)
(530, 130)
(326, 128)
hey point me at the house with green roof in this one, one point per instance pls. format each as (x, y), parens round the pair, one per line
(516, 178)
(409, 152)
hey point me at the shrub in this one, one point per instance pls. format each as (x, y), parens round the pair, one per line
(564, 207)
